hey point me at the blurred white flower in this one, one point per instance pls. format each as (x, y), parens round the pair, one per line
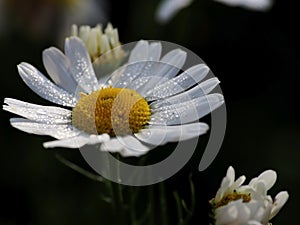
(167, 9)
(257, 5)
(143, 104)
(98, 42)
(237, 204)
(104, 47)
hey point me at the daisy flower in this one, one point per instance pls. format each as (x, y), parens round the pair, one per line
(98, 42)
(130, 113)
(256, 5)
(167, 9)
(103, 46)
(249, 204)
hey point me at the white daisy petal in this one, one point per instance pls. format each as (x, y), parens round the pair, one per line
(142, 72)
(280, 200)
(140, 52)
(171, 63)
(144, 78)
(253, 222)
(161, 135)
(124, 76)
(179, 83)
(255, 196)
(42, 114)
(234, 213)
(227, 215)
(253, 182)
(225, 185)
(103, 80)
(127, 146)
(231, 175)
(125, 152)
(268, 208)
(138, 83)
(261, 188)
(77, 141)
(139, 64)
(58, 131)
(208, 85)
(80, 64)
(113, 145)
(269, 178)
(243, 212)
(168, 8)
(136, 63)
(44, 87)
(196, 92)
(259, 213)
(154, 51)
(187, 111)
(58, 68)
(238, 182)
(134, 144)
(163, 70)
(259, 5)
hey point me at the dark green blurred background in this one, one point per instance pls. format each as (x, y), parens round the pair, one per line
(254, 54)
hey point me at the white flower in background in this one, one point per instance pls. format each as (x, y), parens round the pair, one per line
(98, 42)
(257, 5)
(104, 48)
(237, 204)
(130, 113)
(167, 9)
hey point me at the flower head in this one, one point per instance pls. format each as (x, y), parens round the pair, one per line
(167, 9)
(129, 111)
(104, 47)
(249, 204)
(98, 42)
(256, 5)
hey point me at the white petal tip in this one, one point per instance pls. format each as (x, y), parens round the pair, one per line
(280, 199)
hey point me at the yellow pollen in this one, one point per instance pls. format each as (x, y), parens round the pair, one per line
(115, 111)
(232, 197)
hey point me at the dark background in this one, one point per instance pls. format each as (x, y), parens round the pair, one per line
(254, 54)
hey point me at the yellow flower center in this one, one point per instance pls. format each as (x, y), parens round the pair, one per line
(232, 197)
(115, 111)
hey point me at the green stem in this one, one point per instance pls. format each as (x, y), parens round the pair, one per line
(132, 207)
(179, 208)
(118, 203)
(147, 217)
(164, 211)
(117, 191)
(79, 169)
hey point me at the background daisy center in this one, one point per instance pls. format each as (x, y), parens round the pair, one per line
(233, 197)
